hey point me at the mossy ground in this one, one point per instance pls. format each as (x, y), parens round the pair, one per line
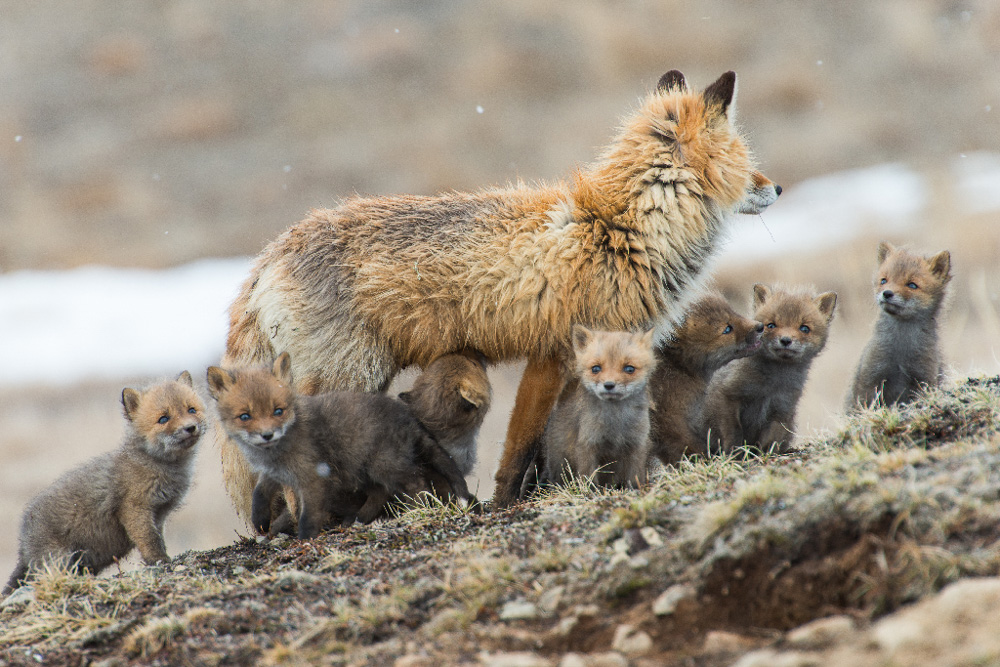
(888, 510)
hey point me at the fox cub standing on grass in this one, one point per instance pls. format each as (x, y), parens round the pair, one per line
(96, 513)
(450, 399)
(711, 335)
(358, 292)
(343, 454)
(903, 355)
(753, 401)
(601, 427)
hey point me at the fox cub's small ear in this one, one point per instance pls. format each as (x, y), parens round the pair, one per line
(283, 368)
(405, 397)
(645, 338)
(760, 294)
(827, 302)
(722, 92)
(940, 265)
(185, 378)
(884, 248)
(218, 380)
(130, 400)
(581, 337)
(672, 80)
(470, 395)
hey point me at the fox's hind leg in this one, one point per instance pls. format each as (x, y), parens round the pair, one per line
(441, 463)
(536, 395)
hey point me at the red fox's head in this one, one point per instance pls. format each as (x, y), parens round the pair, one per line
(713, 334)
(695, 132)
(909, 285)
(796, 323)
(613, 365)
(169, 416)
(256, 405)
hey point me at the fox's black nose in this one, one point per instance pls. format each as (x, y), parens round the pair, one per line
(777, 189)
(267, 436)
(609, 385)
(888, 294)
(786, 341)
(191, 429)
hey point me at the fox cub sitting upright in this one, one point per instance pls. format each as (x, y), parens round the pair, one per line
(753, 401)
(903, 355)
(450, 399)
(600, 426)
(343, 454)
(711, 335)
(95, 514)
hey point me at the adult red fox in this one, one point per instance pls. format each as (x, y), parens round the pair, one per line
(360, 291)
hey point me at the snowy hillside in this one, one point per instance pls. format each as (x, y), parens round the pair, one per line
(96, 322)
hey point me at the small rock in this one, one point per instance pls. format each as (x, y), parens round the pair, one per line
(769, 658)
(586, 610)
(630, 641)
(280, 538)
(564, 627)
(518, 610)
(262, 539)
(20, 597)
(620, 546)
(181, 568)
(514, 659)
(719, 641)
(638, 562)
(651, 536)
(619, 557)
(239, 569)
(667, 603)
(609, 659)
(550, 599)
(572, 660)
(820, 633)
(413, 661)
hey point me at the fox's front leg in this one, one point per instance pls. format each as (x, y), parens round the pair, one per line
(540, 386)
(776, 435)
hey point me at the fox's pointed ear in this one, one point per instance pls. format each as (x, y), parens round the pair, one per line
(185, 378)
(760, 294)
(130, 400)
(218, 380)
(581, 337)
(283, 368)
(827, 303)
(672, 80)
(884, 248)
(721, 93)
(470, 395)
(405, 397)
(645, 339)
(940, 265)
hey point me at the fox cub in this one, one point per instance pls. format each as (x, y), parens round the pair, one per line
(600, 426)
(96, 513)
(343, 454)
(753, 401)
(903, 355)
(711, 335)
(450, 399)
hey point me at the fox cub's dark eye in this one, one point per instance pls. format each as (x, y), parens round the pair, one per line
(770, 325)
(193, 411)
(883, 281)
(804, 329)
(163, 420)
(912, 285)
(595, 369)
(245, 417)
(278, 412)
(629, 369)
(728, 329)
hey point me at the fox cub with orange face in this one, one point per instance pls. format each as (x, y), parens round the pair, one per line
(95, 514)
(343, 454)
(753, 401)
(903, 354)
(600, 426)
(710, 336)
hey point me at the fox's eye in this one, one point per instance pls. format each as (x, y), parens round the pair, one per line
(163, 420)
(595, 369)
(804, 329)
(245, 417)
(629, 369)
(278, 412)
(193, 411)
(912, 285)
(883, 281)
(728, 329)
(770, 325)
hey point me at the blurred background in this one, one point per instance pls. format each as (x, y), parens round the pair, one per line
(147, 150)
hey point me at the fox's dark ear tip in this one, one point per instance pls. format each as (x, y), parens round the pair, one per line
(673, 79)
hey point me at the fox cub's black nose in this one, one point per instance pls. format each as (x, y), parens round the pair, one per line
(267, 436)
(786, 341)
(888, 294)
(609, 385)
(191, 429)
(777, 189)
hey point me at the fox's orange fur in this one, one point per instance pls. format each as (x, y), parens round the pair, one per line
(358, 292)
